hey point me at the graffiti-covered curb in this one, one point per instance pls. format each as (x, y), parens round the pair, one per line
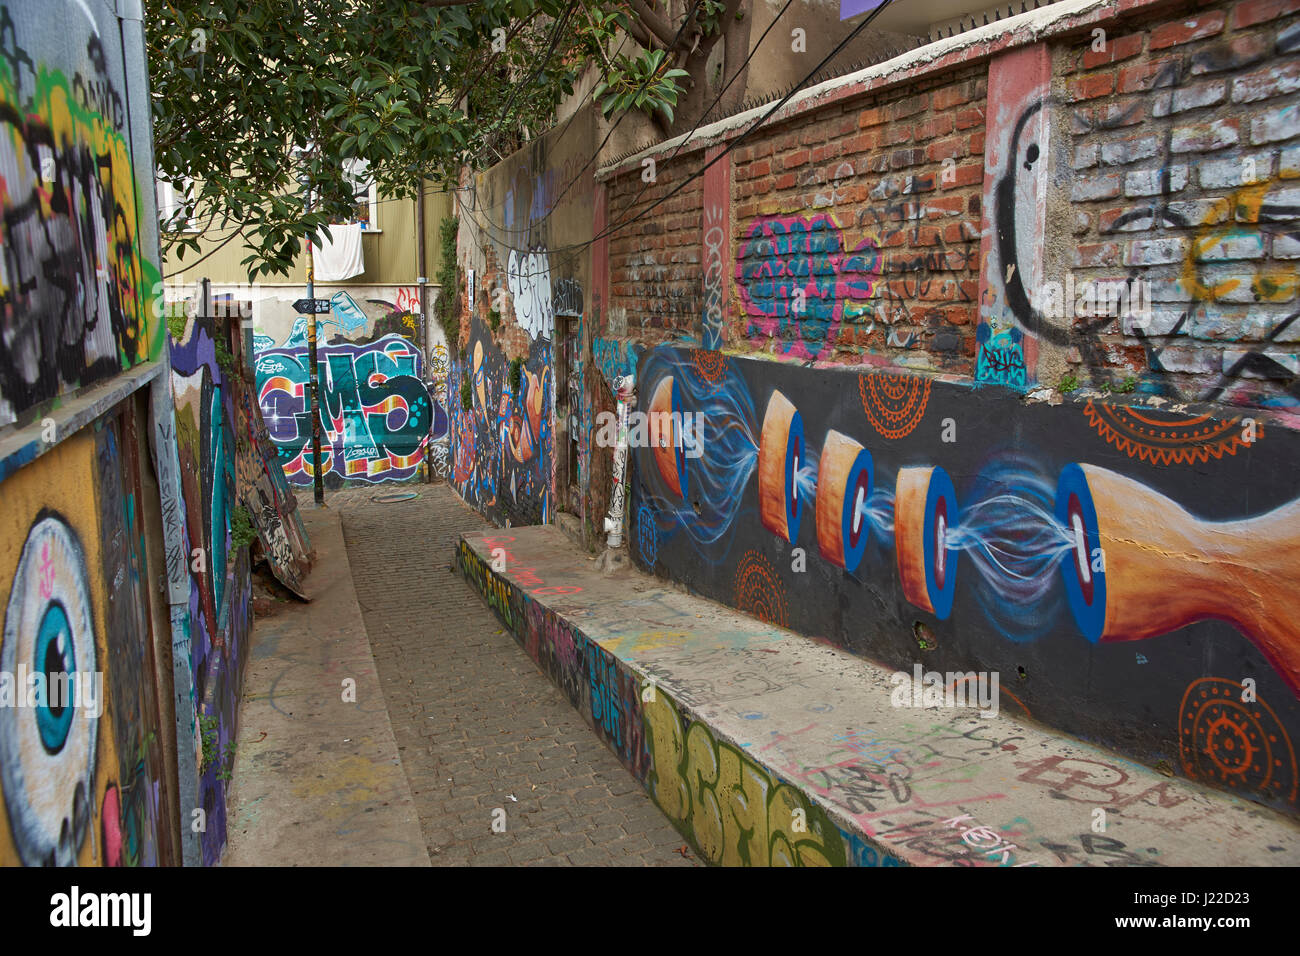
(667, 680)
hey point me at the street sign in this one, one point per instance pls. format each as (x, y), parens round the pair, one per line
(308, 306)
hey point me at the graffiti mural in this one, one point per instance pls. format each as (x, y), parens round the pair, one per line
(1015, 213)
(209, 442)
(376, 412)
(76, 284)
(81, 765)
(501, 445)
(382, 407)
(1036, 553)
(728, 806)
(795, 275)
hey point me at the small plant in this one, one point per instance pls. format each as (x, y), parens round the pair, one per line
(1128, 385)
(516, 373)
(208, 737)
(1068, 384)
(230, 366)
(242, 531)
(465, 391)
(447, 306)
(494, 319)
(176, 326)
(227, 764)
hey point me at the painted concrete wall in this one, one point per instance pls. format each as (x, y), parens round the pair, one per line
(1122, 596)
(993, 345)
(122, 470)
(79, 264)
(525, 231)
(383, 411)
(88, 780)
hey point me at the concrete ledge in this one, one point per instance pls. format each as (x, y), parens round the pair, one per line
(318, 780)
(767, 748)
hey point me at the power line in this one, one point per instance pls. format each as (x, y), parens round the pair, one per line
(610, 230)
(721, 93)
(690, 16)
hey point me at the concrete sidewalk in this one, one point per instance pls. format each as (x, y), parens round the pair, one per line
(766, 747)
(317, 780)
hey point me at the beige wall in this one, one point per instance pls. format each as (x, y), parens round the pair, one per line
(389, 252)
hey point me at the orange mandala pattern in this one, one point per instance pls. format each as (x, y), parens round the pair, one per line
(759, 591)
(709, 365)
(894, 402)
(1169, 439)
(1234, 743)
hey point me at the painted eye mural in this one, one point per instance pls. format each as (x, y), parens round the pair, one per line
(925, 513)
(1129, 577)
(47, 752)
(669, 452)
(844, 477)
(782, 467)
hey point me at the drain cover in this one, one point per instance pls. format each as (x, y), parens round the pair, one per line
(396, 496)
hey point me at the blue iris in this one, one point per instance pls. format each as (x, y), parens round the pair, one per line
(54, 657)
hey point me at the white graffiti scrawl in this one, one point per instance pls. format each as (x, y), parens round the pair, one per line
(529, 278)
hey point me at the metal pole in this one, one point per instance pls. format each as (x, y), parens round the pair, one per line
(421, 280)
(318, 483)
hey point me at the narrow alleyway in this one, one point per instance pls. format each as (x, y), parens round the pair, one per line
(477, 726)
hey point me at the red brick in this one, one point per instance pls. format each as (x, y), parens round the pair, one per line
(895, 133)
(795, 159)
(941, 125)
(1090, 87)
(967, 175)
(952, 148)
(951, 96)
(761, 168)
(860, 143)
(785, 181)
(1250, 12)
(958, 314)
(960, 232)
(944, 206)
(1095, 256)
(970, 117)
(1187, 29)
(872, 117)
(1148, 76)
(1117, 49)
(908, 107)
(926, 236)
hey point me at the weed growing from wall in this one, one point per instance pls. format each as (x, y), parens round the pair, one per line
(242, 532)
(447, 307)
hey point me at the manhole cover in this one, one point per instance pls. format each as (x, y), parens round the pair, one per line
(396, 496)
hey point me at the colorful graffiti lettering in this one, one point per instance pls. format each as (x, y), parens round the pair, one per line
(795, 275)
(376, 413)
(76, 304)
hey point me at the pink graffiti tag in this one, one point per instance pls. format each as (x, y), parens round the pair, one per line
(794, 275)
(47, 573)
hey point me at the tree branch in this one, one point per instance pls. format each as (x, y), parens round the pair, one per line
(660, 27)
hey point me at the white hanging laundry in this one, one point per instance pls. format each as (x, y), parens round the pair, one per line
(340, 256)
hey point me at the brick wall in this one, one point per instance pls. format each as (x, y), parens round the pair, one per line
(1185, 142)
(856, 224)
(655, 275)
(879, 201)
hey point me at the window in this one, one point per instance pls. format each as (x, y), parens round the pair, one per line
(367, 205)
(176, 205)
